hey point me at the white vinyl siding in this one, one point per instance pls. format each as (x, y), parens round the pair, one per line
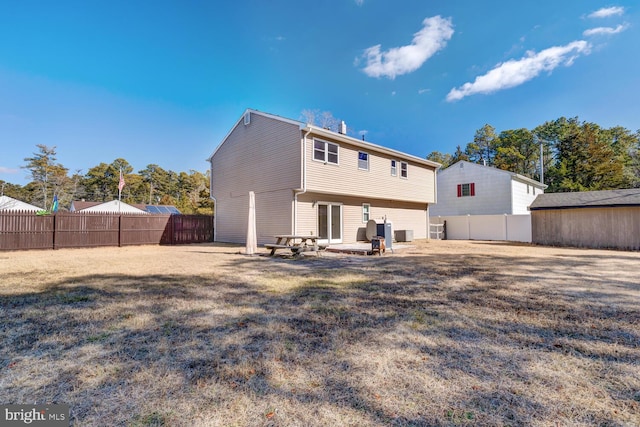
(494, 191)
(347, 179)
(263, 157)
(404, 216)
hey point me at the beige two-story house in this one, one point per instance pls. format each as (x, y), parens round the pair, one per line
(310, 180)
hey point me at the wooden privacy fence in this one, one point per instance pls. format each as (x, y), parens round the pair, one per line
(27, 230)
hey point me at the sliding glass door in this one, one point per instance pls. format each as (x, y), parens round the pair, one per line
(329, 223)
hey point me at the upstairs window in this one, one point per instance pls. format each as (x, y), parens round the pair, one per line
(324, 151)
(404, 170)
(465, 190)
(363, 160)
(394, 168)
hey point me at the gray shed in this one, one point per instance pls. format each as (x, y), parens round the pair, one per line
(591, 219)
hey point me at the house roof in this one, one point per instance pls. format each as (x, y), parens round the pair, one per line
(514, 175)
(368, 145)
(10, 204)
(79, 205)
(159, 209)
(330, 134)
(587, 199)
(112, 206)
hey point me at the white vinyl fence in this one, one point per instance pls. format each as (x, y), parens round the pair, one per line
(514, 228)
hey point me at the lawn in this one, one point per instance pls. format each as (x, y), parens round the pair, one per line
(442, 333)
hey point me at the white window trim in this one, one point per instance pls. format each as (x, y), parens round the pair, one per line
(366, 209)
(326, 152)
(394, 169)
(406, 168)
(368, 157)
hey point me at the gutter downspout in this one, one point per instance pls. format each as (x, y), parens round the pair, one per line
(435, 201)
(303, 181)
(215, 204)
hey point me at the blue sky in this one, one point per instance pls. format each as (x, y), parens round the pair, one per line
(163, 81)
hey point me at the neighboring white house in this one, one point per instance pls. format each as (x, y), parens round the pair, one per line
(466, 188)
(10, 204)
(114, 206)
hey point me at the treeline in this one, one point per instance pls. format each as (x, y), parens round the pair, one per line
(577, 156)
(189, 192)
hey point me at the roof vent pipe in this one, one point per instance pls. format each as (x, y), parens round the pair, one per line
(343, 128)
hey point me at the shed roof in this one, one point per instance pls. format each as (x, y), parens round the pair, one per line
(587, 199)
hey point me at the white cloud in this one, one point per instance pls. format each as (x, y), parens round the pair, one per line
(606, 12)
(422, 91)
(359, 2)
(604, 30)
(406, 59)
(516, 72)
(8, 170)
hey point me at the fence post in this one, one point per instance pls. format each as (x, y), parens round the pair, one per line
(444, 230)
(506, 228)
(172, 229)
(119, 231)
(55, 230)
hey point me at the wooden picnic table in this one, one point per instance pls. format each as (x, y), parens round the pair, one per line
(296, 243)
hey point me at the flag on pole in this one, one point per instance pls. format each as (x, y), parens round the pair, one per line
(54, 206)
(121, 183)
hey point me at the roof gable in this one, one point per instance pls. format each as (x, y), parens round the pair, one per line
(241, 120)
(515, 176)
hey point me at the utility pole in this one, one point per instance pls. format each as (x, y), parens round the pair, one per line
(541, 162)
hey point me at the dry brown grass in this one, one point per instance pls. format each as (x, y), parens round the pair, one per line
(445, 333)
